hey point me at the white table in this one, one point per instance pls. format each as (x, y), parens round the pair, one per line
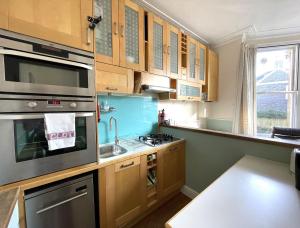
(254, 193)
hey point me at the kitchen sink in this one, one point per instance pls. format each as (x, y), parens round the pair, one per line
(111, 151)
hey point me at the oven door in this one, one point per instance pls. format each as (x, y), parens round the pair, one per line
(23, 72)
(24, 149)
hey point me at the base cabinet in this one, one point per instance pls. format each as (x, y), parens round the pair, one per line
(121, 193)
(125, 194)
(171, 169)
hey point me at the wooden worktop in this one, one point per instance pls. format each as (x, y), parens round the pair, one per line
(8, 200)
(272, 141)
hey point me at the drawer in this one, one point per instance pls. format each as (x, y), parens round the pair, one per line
(113, 79)
(127, 164)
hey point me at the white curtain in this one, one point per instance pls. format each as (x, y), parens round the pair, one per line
(245, 98)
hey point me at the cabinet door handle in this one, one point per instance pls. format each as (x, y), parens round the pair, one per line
(122, 30)
(110, 88)
(125, 166)
(88, 41)
(116, 28)
(165, 47)
(168, 50)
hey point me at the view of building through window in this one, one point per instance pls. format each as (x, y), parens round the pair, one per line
(275, 88)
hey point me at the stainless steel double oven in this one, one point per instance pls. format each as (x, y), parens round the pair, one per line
(37, 77)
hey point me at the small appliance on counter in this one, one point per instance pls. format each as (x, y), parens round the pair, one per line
(295, 166)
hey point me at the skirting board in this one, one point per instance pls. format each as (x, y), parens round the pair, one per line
(191, 193)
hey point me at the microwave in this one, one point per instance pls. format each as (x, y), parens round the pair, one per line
(33, 66)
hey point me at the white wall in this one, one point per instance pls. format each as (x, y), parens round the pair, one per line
(229, 55)
(185, 113)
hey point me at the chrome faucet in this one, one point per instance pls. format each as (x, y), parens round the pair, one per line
(116, 129)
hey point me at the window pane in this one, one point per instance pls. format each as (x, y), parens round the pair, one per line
(274, 81)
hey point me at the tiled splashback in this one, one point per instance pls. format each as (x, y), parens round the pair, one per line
(135, 115)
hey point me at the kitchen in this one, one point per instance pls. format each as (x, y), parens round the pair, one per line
(120, 113)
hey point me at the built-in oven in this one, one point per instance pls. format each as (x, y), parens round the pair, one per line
(24, 149)
(32, 66)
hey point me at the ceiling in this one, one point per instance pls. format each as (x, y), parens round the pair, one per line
(219, 20)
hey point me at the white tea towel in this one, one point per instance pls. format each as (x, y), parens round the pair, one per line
(60, 130)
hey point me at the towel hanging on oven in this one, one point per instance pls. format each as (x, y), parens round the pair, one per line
(60, 130)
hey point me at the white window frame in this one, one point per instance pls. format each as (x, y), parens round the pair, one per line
(295, 120)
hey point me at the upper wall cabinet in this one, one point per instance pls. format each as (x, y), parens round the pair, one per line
(120, 35)
(107, 32)
(64, 22)
(157, 45)
(3, 14)
(192, 59)
(196, 66)
(212, 77)
(131, 19)
(173, 52)
(201, 63)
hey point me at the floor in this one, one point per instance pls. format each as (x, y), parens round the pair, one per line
(158, 218)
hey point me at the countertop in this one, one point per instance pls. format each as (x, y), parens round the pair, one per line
(8, 200)
(134, 148)
(274, 141)
(253, 193)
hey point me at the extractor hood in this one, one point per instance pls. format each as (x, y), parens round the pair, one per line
(157, 89)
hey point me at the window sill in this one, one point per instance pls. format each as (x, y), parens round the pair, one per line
(272, 141)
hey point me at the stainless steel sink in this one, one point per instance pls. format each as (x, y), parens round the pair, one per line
(111, 150)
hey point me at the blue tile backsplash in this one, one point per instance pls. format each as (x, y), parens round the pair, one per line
(135, 115)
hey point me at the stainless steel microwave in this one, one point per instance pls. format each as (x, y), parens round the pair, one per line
(33, 66)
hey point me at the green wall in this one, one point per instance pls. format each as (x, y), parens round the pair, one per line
(209, 156)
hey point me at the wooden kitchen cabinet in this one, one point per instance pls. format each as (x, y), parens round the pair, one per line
(196, 63)
(173, 52)
(119, 38)
(115, 79)
(212, 77)
(64, 22)
(201, 63)
(188, 91)
(157, 45)
(121, 192)
(107, 32)
(171, 169)
(192, 59)
(4, 14)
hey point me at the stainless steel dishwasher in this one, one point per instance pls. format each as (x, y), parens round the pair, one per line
(65, 204)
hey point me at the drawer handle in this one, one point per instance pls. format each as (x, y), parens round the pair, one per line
(88, 36)
(125, 166)
(174, 149)
(112, 89)
(61, 203)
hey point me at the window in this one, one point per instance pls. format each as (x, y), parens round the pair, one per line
(276, 88)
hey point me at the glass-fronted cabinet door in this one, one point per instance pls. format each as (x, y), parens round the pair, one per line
(192, 60)
(173, 52)
(107, 32)
(188, 91)
(201, 63)
(131, 29)
(157, 45)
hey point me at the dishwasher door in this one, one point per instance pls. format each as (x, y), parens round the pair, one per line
(66, 205)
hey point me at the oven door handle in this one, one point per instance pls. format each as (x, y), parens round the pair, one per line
(44, 58)
(37, 116)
